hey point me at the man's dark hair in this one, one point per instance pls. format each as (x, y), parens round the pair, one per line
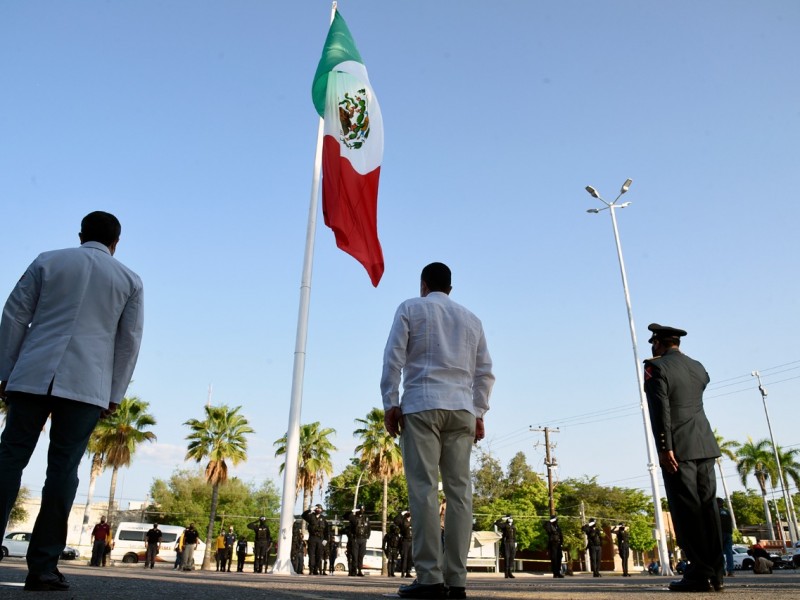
(437, 277)
(99, 226)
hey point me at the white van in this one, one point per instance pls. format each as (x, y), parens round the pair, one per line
(130, 547)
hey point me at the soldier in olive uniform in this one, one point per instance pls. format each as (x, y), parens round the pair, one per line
(555, 543)
(316, 534)
(594, 543)
(687, 452)
(508, 542)
(623, 545)
(262, 544)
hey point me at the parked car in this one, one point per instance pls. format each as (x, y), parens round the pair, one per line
(741, 559)
(16, 544)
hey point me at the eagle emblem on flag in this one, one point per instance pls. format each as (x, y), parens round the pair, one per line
(354, 119)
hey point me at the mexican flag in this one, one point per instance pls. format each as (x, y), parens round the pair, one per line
(352, 148)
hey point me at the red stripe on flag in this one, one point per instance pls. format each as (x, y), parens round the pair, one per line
(350, 208)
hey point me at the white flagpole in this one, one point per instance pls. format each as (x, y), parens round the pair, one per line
(283, 565)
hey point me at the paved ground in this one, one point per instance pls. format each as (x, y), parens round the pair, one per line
(137, 583)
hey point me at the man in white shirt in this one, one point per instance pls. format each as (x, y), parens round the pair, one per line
(69, 340)
(439, 350)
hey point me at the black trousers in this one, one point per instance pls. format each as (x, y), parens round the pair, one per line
(260, 560)
(594, 558)
(624, 552)
(314, 554)
(692, 496)
(405, 556)
(71, 424)
(359, 551)
(556, 553)
(509, 551)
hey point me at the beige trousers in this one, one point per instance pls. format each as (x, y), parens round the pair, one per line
(434, 443)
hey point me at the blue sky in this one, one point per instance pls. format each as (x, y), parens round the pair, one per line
(193, 123)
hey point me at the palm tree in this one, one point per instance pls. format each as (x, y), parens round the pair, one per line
(756, 458)
(313, 458)
(791, 470)
(119, 434)
(381, 456)
(98, 459)
(220, 437)
(728, 449)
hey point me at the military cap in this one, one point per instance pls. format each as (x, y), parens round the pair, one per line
(664, 332)
(318, 506)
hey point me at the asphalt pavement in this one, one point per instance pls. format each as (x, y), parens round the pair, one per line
(126, 582)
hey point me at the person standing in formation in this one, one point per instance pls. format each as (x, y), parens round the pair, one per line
(296, 556)
(391, 548)
(219, 554)
(555, 543)
(508, 543)
(687, 452)
(316, 535)
(594, 543)
(262, 544)
(191, 540)
(152, 539)
(623, 545)
(332, 546)
(241, 553)
(403, 521)
(357, 536)
(230, 544)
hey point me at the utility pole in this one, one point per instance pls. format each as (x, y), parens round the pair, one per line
(551, 463)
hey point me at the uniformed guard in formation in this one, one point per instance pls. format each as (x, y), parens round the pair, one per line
(262, 544)
(594, 543)
(391, 548)
(623, 545)
(241, 553)
(687, 453)
(297, 553)
(331, 550)
(230, 544)
(555, 543)
(508, 543)
(316, 535)
(403, 522)
(357, 536)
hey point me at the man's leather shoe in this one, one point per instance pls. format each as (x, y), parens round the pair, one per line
(47, 582)
(717, 584)
(456, 593)
(688, 585)
(419, 590)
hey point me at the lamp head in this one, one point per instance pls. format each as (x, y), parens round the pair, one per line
(625, 186)
(592, 191)
(594, 211)
(624, 204)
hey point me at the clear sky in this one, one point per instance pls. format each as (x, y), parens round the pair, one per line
(193, 123)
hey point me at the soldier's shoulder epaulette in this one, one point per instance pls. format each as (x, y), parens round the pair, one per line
(650, 360)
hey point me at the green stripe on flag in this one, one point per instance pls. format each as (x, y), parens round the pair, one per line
(339, 47)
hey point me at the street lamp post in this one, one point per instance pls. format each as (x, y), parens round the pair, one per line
(661, 538)
(791, 517)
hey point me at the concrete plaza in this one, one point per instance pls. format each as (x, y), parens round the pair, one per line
(137, 583)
